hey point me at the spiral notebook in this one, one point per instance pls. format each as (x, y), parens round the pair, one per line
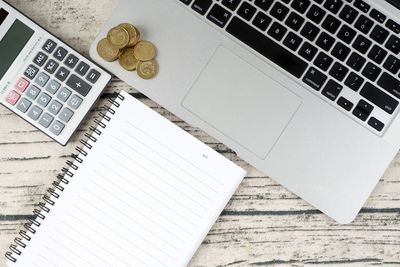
(142, 192)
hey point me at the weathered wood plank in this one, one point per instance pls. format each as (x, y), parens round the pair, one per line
(263, 224)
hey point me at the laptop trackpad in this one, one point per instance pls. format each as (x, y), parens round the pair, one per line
(241, 102)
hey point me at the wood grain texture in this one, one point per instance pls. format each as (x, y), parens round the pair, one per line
(263, 224)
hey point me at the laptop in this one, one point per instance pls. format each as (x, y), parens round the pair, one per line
(307, 91)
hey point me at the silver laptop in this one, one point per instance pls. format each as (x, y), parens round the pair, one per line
(307, 91)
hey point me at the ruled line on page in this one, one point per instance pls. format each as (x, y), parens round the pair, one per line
(59, 255)
(149, 195)
(129, 218)
(110, 240)
(80, 233)
(138, 211)
(158, 178)
(168, 160)
(171, 150)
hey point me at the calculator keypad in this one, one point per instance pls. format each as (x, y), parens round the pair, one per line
(53, 87)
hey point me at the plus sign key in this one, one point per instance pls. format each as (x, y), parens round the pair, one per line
(219, 15)
(78, 85)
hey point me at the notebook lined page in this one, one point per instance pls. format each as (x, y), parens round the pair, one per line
(146, 195)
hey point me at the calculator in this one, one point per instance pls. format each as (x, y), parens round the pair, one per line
(42, 79)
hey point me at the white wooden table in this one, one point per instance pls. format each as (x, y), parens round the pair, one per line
(264, 224)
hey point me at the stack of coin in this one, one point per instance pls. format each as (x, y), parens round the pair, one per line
(123, 44)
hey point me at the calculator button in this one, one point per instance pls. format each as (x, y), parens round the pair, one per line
(13, 97)
(24, 105)
(31, 72)
(75, 102)
(93, 76)
(52, 87)
(57, 127)
(49, 46)
(64, 94)
(44, 100)
(66, 114)
(32, 92)
(46, 120)
(82, 68)
(34, 113)
(71, 61)
(62, 74)
(78, 85)
(55, 107)
(41, 79)
(40, 59)
(51, 66)
(21, 85)
(60, 53)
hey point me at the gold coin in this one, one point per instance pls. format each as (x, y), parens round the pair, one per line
(107, 51)
(147, 69)
(134, 35)
(127, 60)
(118, 37)
(144, 51)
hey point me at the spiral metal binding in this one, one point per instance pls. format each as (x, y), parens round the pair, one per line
(20, 242)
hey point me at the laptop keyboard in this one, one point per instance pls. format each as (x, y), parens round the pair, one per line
(344, 50)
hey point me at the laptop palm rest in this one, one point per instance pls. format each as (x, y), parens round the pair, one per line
(241, 102)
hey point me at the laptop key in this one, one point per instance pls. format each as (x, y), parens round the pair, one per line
(219, 15)
(277, 31)
(279, 11)
(316, 14)
(292, 41)
(340, 51)
(246, 11)
(362, 44)
(346, 34)
(294, 21)
(354, 82)
(262, 21)
(392, 64)
(338, 71)
(376, 124)
(300, 5)
(377, 54)
(308, 51)
(263, 4)
(325, 41)
(393, 44)
(393, 26)
(323, 61)
(332, 90)
(348, 14)
(356, 61)
(201, 6)
(379, 98)
(267, 47)
(310, 31)
(364, 24)
(314, 78)
(379, 34)
(371, 71)
(361, 5)
(344, 103)
(390, 84)
(331, 24)
(365, 107)
(378, 16)
(186, 2)
(231, 4)
(333, 5)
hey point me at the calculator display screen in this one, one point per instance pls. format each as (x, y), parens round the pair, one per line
(12, 44)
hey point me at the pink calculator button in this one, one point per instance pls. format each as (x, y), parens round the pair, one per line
(21, 85)
(13, 97)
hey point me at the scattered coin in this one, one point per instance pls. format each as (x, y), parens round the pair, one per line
(123, 43)
(107, 51)
(144, 51)
(147, 69)
(127, 60)
(134, 34)
(118, 37)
